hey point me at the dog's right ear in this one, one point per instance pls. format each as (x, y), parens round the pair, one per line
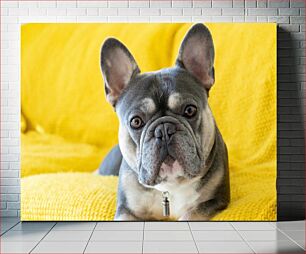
(118, 67)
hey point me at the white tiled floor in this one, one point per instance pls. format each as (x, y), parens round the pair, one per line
(224, 247)
(60, 247)
(170, 247)
(223, 236)
(101, 236)
(114, 247)
(152, 237)
(275, 247)
(263, 235)
(68, 236)
(167, 236)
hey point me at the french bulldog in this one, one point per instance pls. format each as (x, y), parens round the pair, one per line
(171, 159)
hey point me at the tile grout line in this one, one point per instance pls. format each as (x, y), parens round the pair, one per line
(290, 238)
(42, 238)
(193, 237)
(143, 232)
(10, 228)
(90, 237)
(273, 225)
(244, 240)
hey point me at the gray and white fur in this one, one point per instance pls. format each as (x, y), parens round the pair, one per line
(168, 138)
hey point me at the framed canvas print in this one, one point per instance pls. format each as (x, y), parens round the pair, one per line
(148, 122)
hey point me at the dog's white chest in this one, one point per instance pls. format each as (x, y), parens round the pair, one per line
(182, 197)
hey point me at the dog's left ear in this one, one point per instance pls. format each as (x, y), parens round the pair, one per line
(197, 54)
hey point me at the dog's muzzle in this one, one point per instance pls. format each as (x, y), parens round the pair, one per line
(165, 140)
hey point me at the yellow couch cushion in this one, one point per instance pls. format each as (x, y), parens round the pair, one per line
(83, 196)
(47, 153)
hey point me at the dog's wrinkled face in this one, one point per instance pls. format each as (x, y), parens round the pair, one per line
(161, 121)
(166, 127)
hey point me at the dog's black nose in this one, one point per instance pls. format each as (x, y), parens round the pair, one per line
(164, 131)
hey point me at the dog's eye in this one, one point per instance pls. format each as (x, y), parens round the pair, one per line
(190, 111)
(136, 122)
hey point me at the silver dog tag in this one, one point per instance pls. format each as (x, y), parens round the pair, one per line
(166, 204)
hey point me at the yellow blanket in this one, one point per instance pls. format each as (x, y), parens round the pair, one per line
(84, 196)
(67, 126)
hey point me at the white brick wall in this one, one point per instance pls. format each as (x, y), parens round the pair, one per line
(289, 14)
